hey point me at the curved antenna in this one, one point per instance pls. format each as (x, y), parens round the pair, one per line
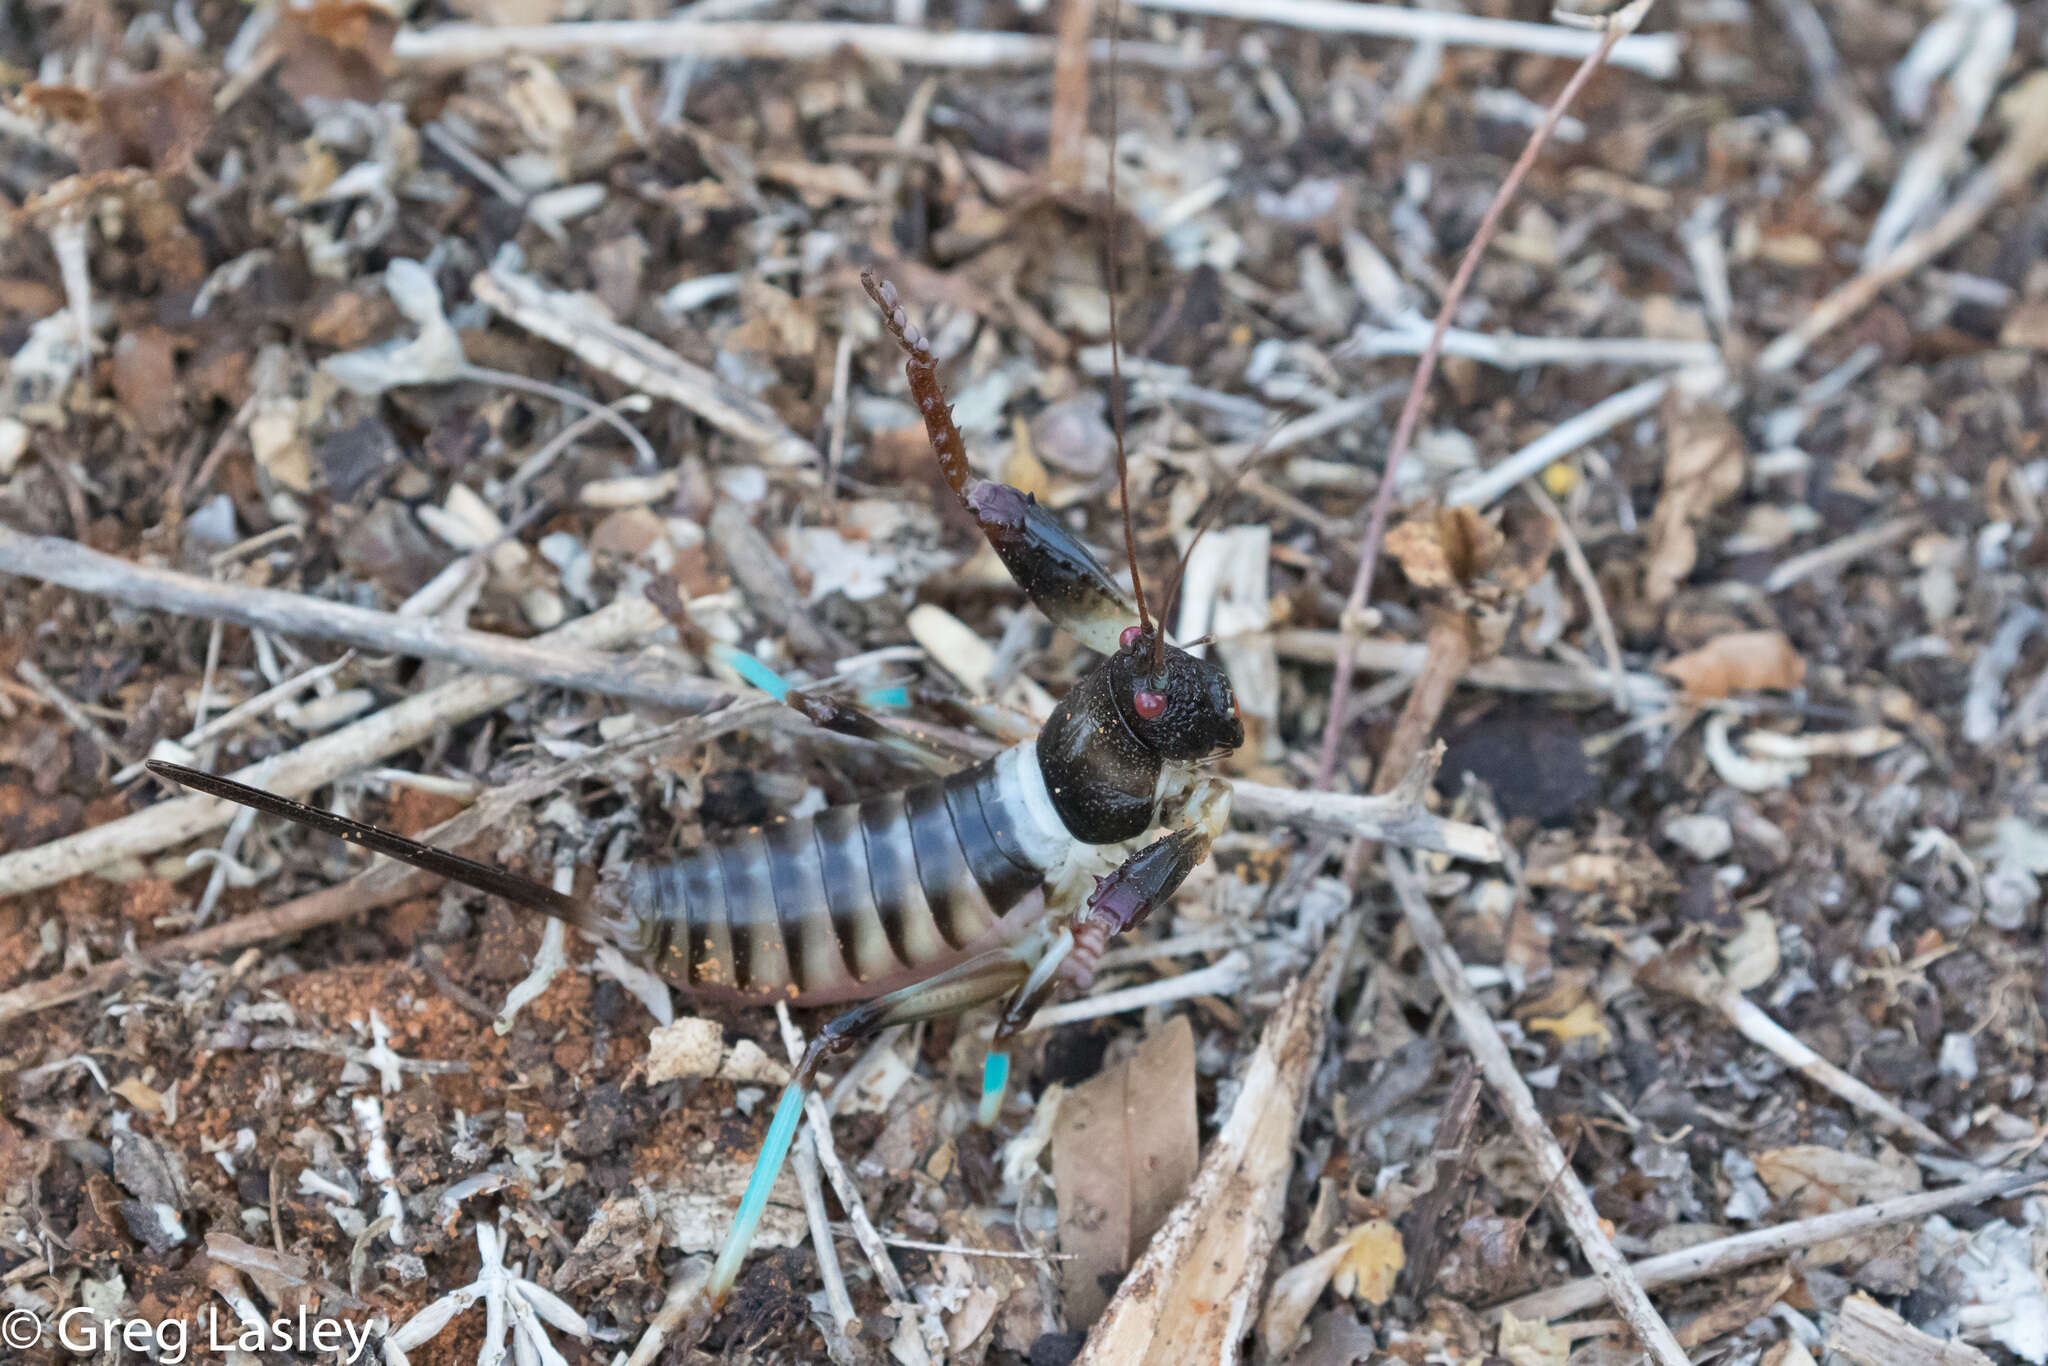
(1116, 371)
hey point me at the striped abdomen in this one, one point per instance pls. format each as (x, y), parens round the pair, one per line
(857, 893)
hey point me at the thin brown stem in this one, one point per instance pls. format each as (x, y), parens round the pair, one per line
(1353, 623)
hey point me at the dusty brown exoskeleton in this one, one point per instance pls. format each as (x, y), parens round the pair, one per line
(1003, 881)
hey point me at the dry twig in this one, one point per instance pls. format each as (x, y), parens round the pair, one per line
(67, 563)
(293, 774)
(1654, 55)
(1684, 974)
(1568, 1192)
(1354, 619)
(1745, 1249)
(458, 44)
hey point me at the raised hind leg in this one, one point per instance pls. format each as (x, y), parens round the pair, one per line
(1052, 567)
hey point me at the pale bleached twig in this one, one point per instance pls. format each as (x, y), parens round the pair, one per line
(1190, 1297)
(1507, 673)
(923, 1337)
(999, 1254)
(269, 700)
(684, 1294)
(365, 892)
(1603, 417)
(2010, 172)
(1837, 554)
(580, 325)
(1507, 351)
(1834, 90)
(1654, 55)
(1568, 1193)
(1972, 81)
(1393, 818)
(805, 1159)
(319, 761)
(74, 566)
(765, 41)
(1744, 1249)
(1689, 976)
(1220, 978)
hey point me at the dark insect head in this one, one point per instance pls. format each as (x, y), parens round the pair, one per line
(1179, 706)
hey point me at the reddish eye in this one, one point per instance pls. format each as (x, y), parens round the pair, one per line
(1130, 635)
(1148, 704)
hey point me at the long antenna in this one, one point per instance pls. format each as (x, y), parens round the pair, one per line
(1116, 370)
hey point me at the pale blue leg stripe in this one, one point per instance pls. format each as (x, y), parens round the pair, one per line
(751, 669)
(766, 1168)
(995, 1075)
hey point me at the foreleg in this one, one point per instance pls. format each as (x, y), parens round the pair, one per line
(1121, 901)
(1147, 879)
(968, 984)
(1052, 567)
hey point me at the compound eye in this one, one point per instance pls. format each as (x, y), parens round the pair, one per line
(1148, 704)
(1130, 636)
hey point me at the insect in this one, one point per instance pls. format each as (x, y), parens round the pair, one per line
(1001, 882)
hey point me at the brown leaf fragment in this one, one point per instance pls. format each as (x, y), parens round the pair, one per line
(1812, 1178)
(1741, 661)
(621, 1235)
(145, 379)
(1869, 1333)
(1733, 1312)
(1444, 547)
(1533, 1342)
(338, 49)
(1704, 460)
(1123, 1152)
(157, 122)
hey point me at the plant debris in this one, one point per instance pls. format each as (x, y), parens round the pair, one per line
(468, 417)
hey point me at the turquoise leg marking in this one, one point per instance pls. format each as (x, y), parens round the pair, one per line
(887, 697)
(766, 1168)
(751, 669)
(995, 1075)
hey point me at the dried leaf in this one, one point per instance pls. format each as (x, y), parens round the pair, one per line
(141, 1095)
(1740, 661)
(1733, 1312)
(1813, 1179)
(1362, 1265)
(1124, 1149)
(1532, 1342)
(334, 49)
(1704, 459)
(1582, 1021)
(145, 380)
(1750, 959)
(1445, 547)
(1372, 1259)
